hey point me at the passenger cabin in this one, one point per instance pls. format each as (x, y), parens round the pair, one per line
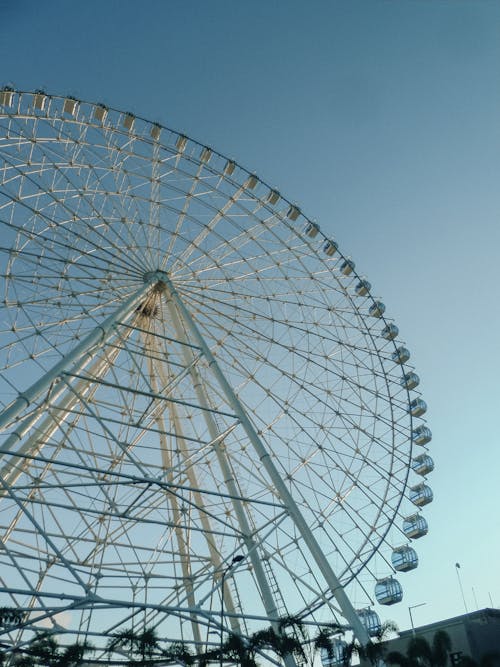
(422, 464)
(362, 288)
(273, 197)
(206, 154)
(390, 331)
(410, 380)
(6, 97)
(401, 355)
(293, 213)
(421, 435)
(39, 100)
(100, 112)
(404, 559)
(421, 495)
(128, 121)
(155, 131)
(388, 591)
(347, 267)
(229, 168)
(371, 620)
(417, 407)
(377, 309)
(336, 656)
(311, 229)
(415, 526)
(330, 247)
(251, 182)
(70, 106)
(181, 142)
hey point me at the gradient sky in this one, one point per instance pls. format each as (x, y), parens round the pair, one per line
(381, 119)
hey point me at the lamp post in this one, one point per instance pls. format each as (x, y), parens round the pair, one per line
(236, 559)
(457, 570)
(414, 606)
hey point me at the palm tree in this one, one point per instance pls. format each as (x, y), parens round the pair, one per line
(375, 651)
(278, 642)
(325, 641)
(10, 616)
(178, 652)
(144, 645)
(236, 649)
(73, 654)
(328, 636)
(45, 651)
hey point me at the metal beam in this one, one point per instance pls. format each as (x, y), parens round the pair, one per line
(287, 498)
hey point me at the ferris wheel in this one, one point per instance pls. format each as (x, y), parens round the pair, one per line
(208, 421)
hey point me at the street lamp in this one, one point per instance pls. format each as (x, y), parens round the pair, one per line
(236, 559)
(457, 569)
(414, 606)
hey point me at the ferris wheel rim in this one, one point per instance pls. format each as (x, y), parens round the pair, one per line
(196, 293)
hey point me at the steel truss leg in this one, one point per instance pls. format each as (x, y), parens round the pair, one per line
(324, 566)
(265, 590)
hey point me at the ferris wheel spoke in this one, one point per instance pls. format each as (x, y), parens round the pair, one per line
(63, 202)
(306, 356)
(79, 355)
(276, 478)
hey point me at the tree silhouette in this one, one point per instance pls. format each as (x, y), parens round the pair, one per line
(143, 646)
(420, 653)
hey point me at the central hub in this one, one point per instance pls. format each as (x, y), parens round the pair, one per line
(159, 279)
(155, 277)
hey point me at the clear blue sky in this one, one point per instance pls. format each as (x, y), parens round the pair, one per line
(381, 118)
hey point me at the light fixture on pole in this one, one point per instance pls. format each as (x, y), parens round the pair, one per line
(457, 568)
(236, 559)
(414, 606)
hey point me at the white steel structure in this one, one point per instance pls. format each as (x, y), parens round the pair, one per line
(191, 371)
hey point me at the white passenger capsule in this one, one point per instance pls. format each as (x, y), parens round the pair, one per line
(205, 154)
(293, 213)
(39, 100)
(70, 105)
(415, 526)
(410, 380)
(371, 620)
(155, 131)
(417, 407)
(401, 355)
(100, 112)
(337, 654)
(347, 267)
(404, 559)
(229, 167)
(422, 464)
(377, 309)
(362, 288)
(251, 182)
(128, 121)
(330, 247)
(273, 197)
(390, 331)
(421, 495)
(421, 435)
(181, 142)
(6, 96)
(388, 591)
(311, 229)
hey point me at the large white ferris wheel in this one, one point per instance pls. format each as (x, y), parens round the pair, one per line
(195, 383)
